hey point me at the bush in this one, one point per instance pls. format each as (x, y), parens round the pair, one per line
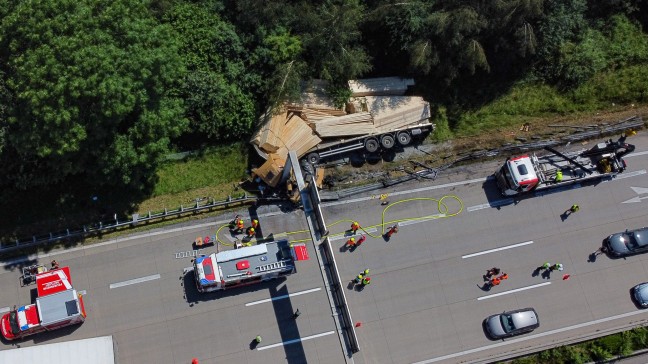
(442, 131)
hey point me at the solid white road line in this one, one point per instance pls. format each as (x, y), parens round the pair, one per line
(531, 337)
(340, 237)
(628, 175)
(637, 154)
(506, 201)
(513, 291)
(422, 189)
(296, 340)
(497, 249)
(135, 281)
(5, 309)
(282, 297)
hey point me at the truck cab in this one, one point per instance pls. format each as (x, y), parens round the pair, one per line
(517, 176)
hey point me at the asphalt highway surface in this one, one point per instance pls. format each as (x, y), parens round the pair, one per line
(426, 300)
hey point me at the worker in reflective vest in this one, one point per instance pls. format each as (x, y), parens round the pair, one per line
(355, 226)
(255, 223)
(239, 224)
(350, 243)
(559, 176)
(366, 281)
(251, 232)
(358, 279)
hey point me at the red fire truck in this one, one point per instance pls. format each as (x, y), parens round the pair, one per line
(249, 265)
(58, 305)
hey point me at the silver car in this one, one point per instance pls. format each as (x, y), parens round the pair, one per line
(628, 242)
(640, 294)
(511, 323)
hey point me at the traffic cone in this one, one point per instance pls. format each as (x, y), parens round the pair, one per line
(566, 277)
(194, 361)
(358, 324)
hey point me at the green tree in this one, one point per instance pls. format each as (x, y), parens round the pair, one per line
(216, 88)
(91, 82)
(452, 39)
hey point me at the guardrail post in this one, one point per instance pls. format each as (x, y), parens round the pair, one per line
(33, 238)
(181, 208)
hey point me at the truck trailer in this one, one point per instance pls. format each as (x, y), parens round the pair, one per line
(529, 172)
(248, 265)
(57, 305)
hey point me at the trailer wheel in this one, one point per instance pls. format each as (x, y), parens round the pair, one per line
(387, 141)
(404, 138)
(371, 145)
(313, 158)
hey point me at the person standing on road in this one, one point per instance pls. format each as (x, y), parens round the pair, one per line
(258, 339)
(572, 209)
(495, 282)
(601, 250)
(366, 281)
(392, 230)
(350, 243)
(255, 223)
(359, 278)
(557, 266)
(545, 266)
(491, 272)
(354, 227)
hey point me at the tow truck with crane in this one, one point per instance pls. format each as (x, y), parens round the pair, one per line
(529, 172)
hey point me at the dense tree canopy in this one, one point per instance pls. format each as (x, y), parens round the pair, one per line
(97, 90)
(93, 91)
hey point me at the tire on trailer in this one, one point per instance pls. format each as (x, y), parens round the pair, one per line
(372, 145)
(404, 138)
(313, 158)
(387, 141)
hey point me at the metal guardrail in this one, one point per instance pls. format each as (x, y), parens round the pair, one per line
(122, 222)
(336, 287)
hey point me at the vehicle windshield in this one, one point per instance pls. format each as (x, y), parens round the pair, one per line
(507, 323)
(506, 174)
(637, 239)
(13, 322)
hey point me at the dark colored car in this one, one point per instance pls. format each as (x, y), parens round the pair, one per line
(628, 242)
(640, 294)
(511, 323)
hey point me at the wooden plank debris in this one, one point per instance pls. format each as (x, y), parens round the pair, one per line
(353, 124)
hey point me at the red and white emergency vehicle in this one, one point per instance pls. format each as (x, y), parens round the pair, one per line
(58, 305)
(528, 173)
(249, 265)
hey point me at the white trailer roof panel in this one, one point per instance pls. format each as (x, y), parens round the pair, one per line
(97, 350)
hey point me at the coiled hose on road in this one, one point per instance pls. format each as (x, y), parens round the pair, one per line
(443, 211)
